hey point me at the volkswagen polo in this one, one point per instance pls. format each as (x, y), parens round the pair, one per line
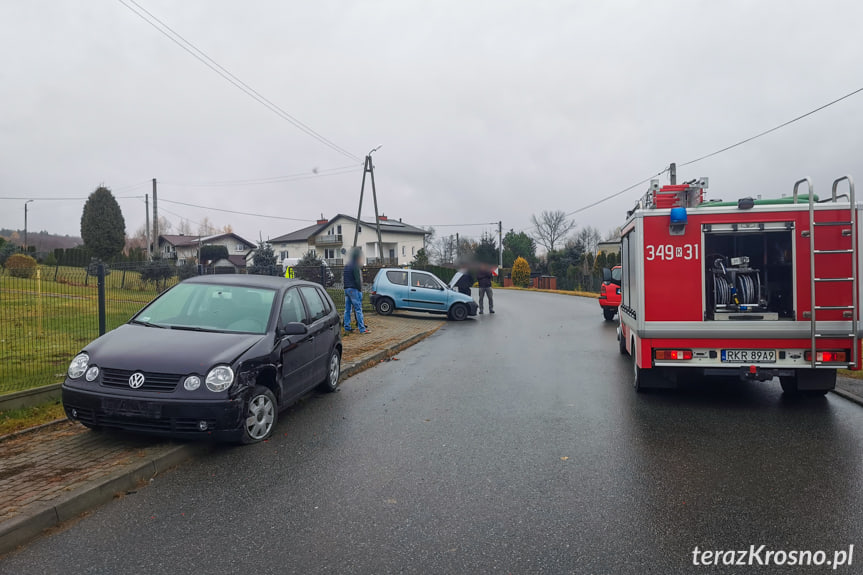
(216, 356)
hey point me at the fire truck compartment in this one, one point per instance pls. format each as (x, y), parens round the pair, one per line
(749, 272)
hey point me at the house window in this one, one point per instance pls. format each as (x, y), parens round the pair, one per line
(283, 254)
(330, 254)
(240, 248)
(403, 250)
(413, 250)
(359, 229)
(339, 228)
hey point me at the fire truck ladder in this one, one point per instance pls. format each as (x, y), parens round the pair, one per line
(848, 310)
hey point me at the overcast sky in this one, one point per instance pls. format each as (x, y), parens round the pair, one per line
(486, 111)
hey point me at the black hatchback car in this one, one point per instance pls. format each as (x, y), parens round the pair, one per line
(213, 356)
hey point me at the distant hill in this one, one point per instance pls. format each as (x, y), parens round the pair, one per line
(42, 241)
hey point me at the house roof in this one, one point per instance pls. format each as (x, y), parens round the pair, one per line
(183, 240)
(393, 226)
(238, 260)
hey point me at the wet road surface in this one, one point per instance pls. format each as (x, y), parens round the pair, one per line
(511, 443)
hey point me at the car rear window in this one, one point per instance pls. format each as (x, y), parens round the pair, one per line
(398, 278)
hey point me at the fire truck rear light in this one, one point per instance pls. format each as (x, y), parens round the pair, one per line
(674, 354)
(827, 356)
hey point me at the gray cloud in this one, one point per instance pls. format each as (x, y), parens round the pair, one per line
(487, 110)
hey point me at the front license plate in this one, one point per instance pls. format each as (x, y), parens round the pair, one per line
(131, 408)
(749, 355)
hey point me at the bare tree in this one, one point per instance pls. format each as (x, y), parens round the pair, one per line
(589, 237)
(612, 234)
(184, 228)
(206, 227)
(551, 228)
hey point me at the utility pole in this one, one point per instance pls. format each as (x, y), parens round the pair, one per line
(25, 224)
(155, 219)
(147, 225)
(672, 173)
(500, 243)
(369, 168)
(457, 247)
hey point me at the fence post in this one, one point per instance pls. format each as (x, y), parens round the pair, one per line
(323, 274)
(100, 275)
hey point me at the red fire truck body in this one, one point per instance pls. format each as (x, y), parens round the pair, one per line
(757, 288)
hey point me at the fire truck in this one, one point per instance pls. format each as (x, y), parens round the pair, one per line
(757, 288)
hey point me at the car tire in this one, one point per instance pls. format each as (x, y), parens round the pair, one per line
(608, 313)
(334, 371)
(621, 342)
(384, 306)
(458, 312)
(261, 415)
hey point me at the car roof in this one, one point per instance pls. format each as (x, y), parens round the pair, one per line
(248, 280)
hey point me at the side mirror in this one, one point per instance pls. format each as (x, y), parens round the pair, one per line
(293, 328)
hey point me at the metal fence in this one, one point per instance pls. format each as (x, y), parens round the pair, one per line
(46, 317)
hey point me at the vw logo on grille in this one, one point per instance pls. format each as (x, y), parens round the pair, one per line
(136, 380)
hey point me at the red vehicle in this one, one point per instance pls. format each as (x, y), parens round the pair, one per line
(609, 292)
(771, 287)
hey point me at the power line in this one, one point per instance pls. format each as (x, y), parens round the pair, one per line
(456, 225)
(201, 56)
(235, 211)
(343, 170)
(773, 129)
(719, 151)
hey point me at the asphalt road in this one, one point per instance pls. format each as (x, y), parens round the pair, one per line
(510, 443)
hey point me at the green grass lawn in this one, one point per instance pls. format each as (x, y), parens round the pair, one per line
(43, 322)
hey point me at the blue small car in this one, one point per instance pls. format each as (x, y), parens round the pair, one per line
(417, 290)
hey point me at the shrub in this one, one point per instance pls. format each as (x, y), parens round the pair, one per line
(520, 272)
(156, 271)
(21, 266)
(186, 271)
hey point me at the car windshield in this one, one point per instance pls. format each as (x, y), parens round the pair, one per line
(210, 307)
(615, 274)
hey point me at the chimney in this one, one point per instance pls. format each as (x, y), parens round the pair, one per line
(322, 221)
(382, 218)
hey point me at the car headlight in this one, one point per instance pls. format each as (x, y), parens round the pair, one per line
(192, 382)
(92, 373)
(78, 365)
(220, 378)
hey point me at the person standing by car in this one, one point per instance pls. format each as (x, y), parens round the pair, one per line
(464, 283)
(354, 292)
(483, 278)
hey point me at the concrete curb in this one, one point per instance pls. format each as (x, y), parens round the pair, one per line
(30, 397)
(19, 530)
(29, 430)
(848, 395)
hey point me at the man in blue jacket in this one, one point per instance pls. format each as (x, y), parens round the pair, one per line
(354, 291)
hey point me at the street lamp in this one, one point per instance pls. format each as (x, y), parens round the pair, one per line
(25, 224)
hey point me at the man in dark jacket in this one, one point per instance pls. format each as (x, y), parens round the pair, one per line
(354, 292)
(483, 278)
(464, 283)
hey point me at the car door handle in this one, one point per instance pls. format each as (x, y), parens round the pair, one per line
(413, 289)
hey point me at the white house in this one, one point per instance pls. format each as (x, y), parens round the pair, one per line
(184, 249)
(332, 239)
